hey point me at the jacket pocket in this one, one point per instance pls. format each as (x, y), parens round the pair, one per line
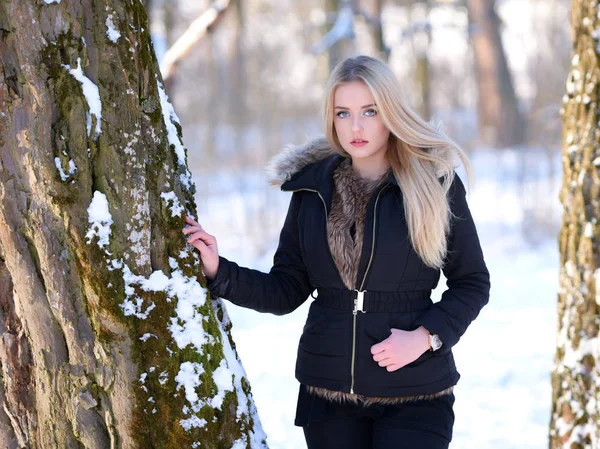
(325, 332)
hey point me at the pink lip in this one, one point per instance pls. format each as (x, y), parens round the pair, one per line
(359, 144)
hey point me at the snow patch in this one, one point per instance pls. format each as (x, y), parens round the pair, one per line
(92, 97)
(588, 230)
(223, 378)
(176, 207)
(189, 378)
(112, 33)
(169, 117)
(72, 168)
(146, 336)
(100, 219)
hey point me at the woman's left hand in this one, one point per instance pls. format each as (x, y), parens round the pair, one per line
(401, 348)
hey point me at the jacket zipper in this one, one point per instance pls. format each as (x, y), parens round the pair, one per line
(359, 300)
(360, 293)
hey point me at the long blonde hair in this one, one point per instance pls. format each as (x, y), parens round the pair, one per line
(419, 154)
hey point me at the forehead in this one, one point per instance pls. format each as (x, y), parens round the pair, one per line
(353, 94)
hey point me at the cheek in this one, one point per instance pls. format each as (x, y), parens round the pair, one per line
(342, 130)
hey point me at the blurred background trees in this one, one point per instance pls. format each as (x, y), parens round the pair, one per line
(255, 80)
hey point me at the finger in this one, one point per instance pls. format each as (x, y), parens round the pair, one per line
(381, 356)
(206, 238)
(394, 367)
(191, 221)
(379, 347)
(386, 362)
(189, 229)
(199, 245)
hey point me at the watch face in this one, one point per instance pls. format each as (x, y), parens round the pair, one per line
(436, 343)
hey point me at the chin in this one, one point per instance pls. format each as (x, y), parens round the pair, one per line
(356, 153)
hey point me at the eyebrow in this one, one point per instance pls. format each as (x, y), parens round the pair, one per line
(362, 107)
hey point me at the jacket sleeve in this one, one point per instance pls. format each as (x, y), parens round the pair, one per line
(280, 291)
(468, 279)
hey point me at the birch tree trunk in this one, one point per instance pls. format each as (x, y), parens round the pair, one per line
(575, 376)
(108, 338)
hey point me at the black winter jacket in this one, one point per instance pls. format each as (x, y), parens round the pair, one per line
(334, 349)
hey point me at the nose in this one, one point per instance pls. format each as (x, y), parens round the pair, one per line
(356, 126)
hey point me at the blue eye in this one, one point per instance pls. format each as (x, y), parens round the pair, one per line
(368, 113)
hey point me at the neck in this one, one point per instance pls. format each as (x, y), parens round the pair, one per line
(370, 170)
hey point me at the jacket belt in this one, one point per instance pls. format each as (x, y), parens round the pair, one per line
(375, 301)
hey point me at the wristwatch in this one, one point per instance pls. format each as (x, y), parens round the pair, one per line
(435, 342)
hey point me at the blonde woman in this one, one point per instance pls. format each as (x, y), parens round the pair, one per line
(376, 212)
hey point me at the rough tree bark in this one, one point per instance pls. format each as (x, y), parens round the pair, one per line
(108, 339)
(500, 120)
(576, 373)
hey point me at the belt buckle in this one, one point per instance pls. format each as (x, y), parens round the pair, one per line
(359, 302)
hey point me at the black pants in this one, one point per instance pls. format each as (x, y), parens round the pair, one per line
(424, 424)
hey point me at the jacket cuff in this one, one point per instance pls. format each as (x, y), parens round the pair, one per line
(219, 284)
(434, 320)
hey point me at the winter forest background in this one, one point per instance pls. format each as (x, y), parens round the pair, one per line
(253, 84)
(107, 337)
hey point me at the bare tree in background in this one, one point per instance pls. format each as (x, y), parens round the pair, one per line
(108, 338)
(339, 40)
(500, 120)
(576, 373)
(419, 34)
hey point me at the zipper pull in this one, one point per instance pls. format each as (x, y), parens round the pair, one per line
(359, 302)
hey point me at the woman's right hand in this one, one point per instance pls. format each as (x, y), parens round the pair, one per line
(206, 244)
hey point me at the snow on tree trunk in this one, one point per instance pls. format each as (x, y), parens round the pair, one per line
(575, 376)
(108, 337)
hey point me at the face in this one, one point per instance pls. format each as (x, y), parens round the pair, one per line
(356, 117)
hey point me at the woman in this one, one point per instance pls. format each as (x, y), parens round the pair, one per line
(376, 212)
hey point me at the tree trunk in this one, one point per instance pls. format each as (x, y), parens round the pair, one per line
(421, 43)
(500, 121)
(383, 52)
(576, 374)
(108, 337)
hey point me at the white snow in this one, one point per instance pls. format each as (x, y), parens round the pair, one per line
(169, 117)
(176, 207)
(112, 33)
(100, 219)
(589, 230)
(146, 336)
(72, 168)
(92, 97)
(48, 2)
(189, 378)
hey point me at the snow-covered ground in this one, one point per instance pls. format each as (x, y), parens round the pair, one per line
(504, 395)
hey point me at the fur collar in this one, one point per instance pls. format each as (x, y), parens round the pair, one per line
(292, 159)
(346, 220)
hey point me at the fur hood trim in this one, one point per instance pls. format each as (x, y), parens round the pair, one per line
(294, 158)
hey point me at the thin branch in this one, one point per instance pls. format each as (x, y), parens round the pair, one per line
(195, 32)
(342, 29)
